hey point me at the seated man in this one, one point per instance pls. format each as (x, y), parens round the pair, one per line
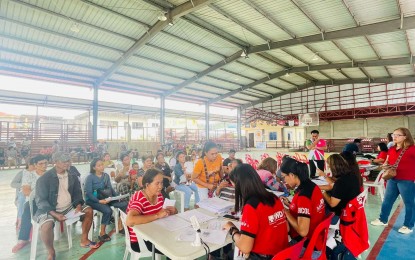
(57, 193)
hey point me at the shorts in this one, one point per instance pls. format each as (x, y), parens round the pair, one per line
(43, 218)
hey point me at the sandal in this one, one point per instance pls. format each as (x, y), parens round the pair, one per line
(104, 238)
(91, 245)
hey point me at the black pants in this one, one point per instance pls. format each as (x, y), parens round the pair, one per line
(135, 246)
(320, 164)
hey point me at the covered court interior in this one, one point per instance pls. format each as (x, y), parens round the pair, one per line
(269, 61)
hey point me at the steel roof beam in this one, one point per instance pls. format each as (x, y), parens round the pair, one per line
(374, 63)
(369, 29)
(154, 30)
(336, 82)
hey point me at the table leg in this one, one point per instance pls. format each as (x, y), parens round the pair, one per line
(153, 252)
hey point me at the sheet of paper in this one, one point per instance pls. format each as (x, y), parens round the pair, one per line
(213, 236)
(172, 223)
(72, 214)
(117, 197)
(201, 217)
(320, 181)
(168, 203)
(216, 205)
(72, 217)
(188, 234)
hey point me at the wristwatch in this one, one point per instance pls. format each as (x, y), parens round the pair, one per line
(231, 230)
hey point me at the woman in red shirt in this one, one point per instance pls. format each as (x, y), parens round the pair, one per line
(307, 208)
(264, 226)
(383, 153)
(146, 206)
(403, 182)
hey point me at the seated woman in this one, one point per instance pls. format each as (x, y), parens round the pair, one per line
(147, 164)
(165, 168)
(267, 172)
(264, 226)
(383, 154)
(146, 206)
(97, 189)
(181, 179)
(208, 171)
(121, 175)
(307, 208)
(346, 184)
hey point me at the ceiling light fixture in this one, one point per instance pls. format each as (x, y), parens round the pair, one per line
(162, 16)
(75, 28)
(244, 54)
(287, 74)
(315, 57)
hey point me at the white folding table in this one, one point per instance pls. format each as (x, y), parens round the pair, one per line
(166, 241)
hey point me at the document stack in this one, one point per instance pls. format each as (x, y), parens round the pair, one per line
(216, 205)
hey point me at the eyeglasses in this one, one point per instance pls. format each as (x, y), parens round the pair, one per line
(396, 135)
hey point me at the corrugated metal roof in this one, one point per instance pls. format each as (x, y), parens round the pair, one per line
(289, 16)
(357, 48)
(227, 25)
(372, 11)
(243, 12)
(390, 45)
(332, 15)
(82, 40)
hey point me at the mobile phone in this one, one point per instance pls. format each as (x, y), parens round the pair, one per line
(230, 216)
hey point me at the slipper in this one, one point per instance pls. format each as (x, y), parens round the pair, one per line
(104, 238)
(91, 245)
(19, 246)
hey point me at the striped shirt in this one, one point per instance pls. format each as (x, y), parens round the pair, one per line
(139, 203)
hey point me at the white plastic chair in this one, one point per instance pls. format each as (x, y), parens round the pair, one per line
(143, 248)
(36, 227)
(379, 184)
(178, 196)
(99, 214)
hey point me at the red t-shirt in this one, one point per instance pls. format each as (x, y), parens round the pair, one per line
(308, 202)
(139, 203)
(266, 224)
(405, 170)
(382, 155)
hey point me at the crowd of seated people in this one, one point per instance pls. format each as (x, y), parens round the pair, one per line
(263, 216)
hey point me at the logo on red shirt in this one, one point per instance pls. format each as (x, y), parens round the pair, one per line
(277, 216)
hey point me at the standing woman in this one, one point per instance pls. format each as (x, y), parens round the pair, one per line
(165, 168)
(264, 229)
(403, 182)
(390, 140)
(97, 188)
(181, 179)
(208, 171)
(146, 206)
(307, 208)
(147, 164)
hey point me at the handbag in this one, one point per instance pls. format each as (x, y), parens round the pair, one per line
(103, 193)
(210, 192)
(390, 170)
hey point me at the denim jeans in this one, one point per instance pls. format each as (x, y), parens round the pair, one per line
(407, 190)
(106, 210)
(187, 189)
(21, 200)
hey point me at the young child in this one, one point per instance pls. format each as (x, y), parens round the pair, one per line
(188, 166)
(132, 174)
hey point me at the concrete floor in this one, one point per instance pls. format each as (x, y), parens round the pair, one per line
(115, 248)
